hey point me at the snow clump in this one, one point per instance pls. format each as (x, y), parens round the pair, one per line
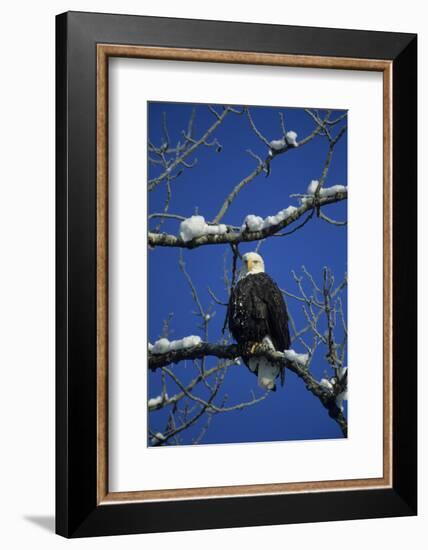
(277, 144)
(326, 384)
(196, 226)
(163, 345)
(252, 223)
(343, 396)
(290, 140)
(156, 438)
(300, 358)
(323, 192)
(155, 401)
(279, 217)
(256, 223)
(312, 187)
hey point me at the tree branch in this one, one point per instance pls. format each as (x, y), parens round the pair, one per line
(212, 407)
(164, 239)
(262, 166)
(327, 398)
(195, 144)
(174, 399)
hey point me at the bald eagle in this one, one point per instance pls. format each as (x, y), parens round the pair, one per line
(258, 319)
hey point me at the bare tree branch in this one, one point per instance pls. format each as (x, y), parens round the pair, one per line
(255, 130)
(216, 300)
(232, 352)
(196, 143)
(157, 404)
(330, 220)
(167, 216)
(156, 441)
(212, 406)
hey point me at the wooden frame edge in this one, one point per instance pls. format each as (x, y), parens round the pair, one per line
(387, 275)
(102, 275)
(241, 57)
(104, 51)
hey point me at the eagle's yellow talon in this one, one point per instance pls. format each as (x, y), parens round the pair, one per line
(255, 347)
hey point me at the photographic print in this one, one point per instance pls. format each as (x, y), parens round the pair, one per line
(247, 274)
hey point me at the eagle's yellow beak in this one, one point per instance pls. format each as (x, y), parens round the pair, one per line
(249, 264)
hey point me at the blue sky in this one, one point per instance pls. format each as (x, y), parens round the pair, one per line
(290, 413)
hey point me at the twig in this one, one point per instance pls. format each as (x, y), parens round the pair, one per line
(330, 220)
(155, 181)
(255, 130)
(167, 216)
(212, 406)
(216, 300)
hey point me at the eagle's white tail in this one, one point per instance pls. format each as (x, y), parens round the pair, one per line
(266, 371)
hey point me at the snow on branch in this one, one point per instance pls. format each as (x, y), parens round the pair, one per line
(203, 349)
(299, 358)
(163, 345)
(275, 146)
(279, 145)
(156, 402)
(196, 226)
(235, 237)
(256, 223)
(325, 191)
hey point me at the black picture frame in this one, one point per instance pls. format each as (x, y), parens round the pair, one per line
(77, 512)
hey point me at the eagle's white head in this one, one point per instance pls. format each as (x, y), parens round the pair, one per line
(252, 263)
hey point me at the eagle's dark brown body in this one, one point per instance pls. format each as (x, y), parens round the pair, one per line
(256, 310)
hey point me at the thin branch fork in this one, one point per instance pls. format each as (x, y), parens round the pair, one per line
(179, 160)
(174, 399)
(164, 239)
(212, 407)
